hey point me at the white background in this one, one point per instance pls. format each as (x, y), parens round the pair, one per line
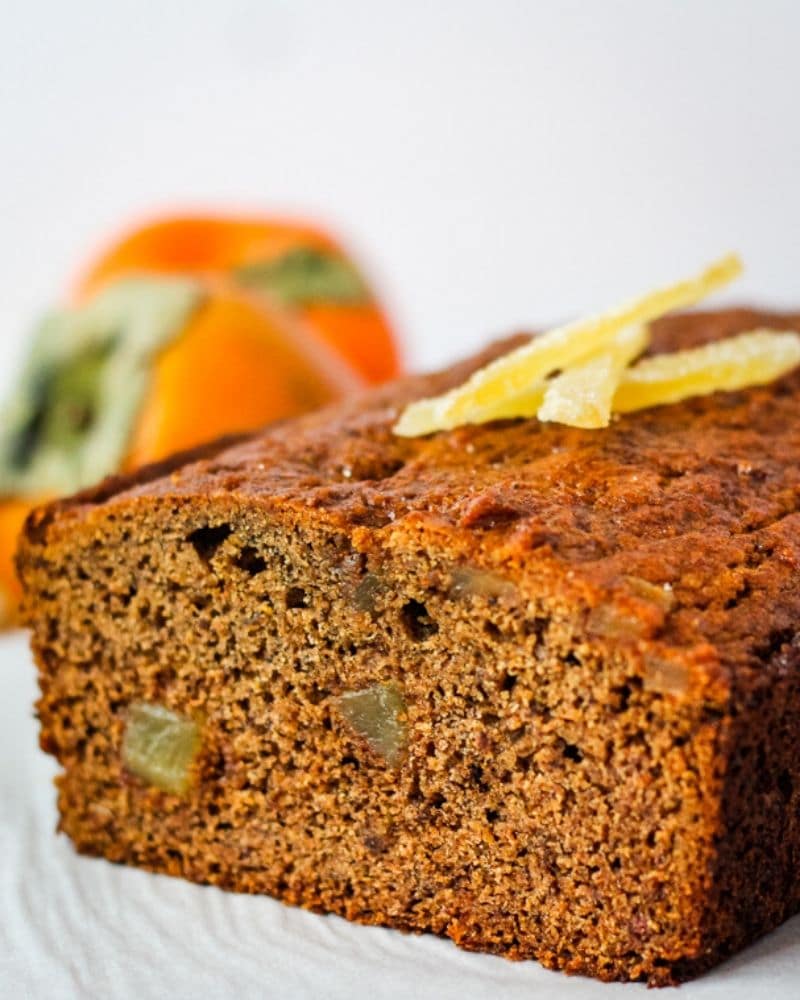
(495, 164)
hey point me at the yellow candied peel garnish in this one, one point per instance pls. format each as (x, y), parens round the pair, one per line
(582, 395)
(753, 358)
(509, 385)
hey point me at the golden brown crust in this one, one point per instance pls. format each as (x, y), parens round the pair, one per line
(593, 632)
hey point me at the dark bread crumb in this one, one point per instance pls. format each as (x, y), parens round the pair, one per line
(593, 635)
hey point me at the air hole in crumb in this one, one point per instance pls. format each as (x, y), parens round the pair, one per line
(476, 773)
(616, 864)
(417, 622)
(623, 694)
(492, 630)
(296, 598)
(509, 682)
(207, 540)
(317, 694)
(536, 627)
(650, 839)
(776, 640)
(785, 785)
(571, 752)
(492, 815)
(250, 561)
(164, 678)
(375, 843)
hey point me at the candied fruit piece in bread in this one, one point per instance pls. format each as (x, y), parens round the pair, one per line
(533, 687)
(159, 746)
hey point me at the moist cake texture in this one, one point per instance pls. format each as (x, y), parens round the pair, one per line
(530, 687)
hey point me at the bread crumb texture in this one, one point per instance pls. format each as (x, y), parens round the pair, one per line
(532, 687)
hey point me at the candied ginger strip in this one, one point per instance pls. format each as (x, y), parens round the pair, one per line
(563, 346)
(416, 419)
(582, 396)
(753, 358)
(518, 373)
(524, 404)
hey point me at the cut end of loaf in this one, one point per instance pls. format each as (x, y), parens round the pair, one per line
(413, 741)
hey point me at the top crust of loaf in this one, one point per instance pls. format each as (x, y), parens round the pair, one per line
(700, 498)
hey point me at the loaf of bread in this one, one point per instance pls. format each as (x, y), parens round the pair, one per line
(530, 687)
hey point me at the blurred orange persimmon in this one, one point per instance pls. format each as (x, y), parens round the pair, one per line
(347, 317)
(239, 363)
(281, 322)
(12, 517)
